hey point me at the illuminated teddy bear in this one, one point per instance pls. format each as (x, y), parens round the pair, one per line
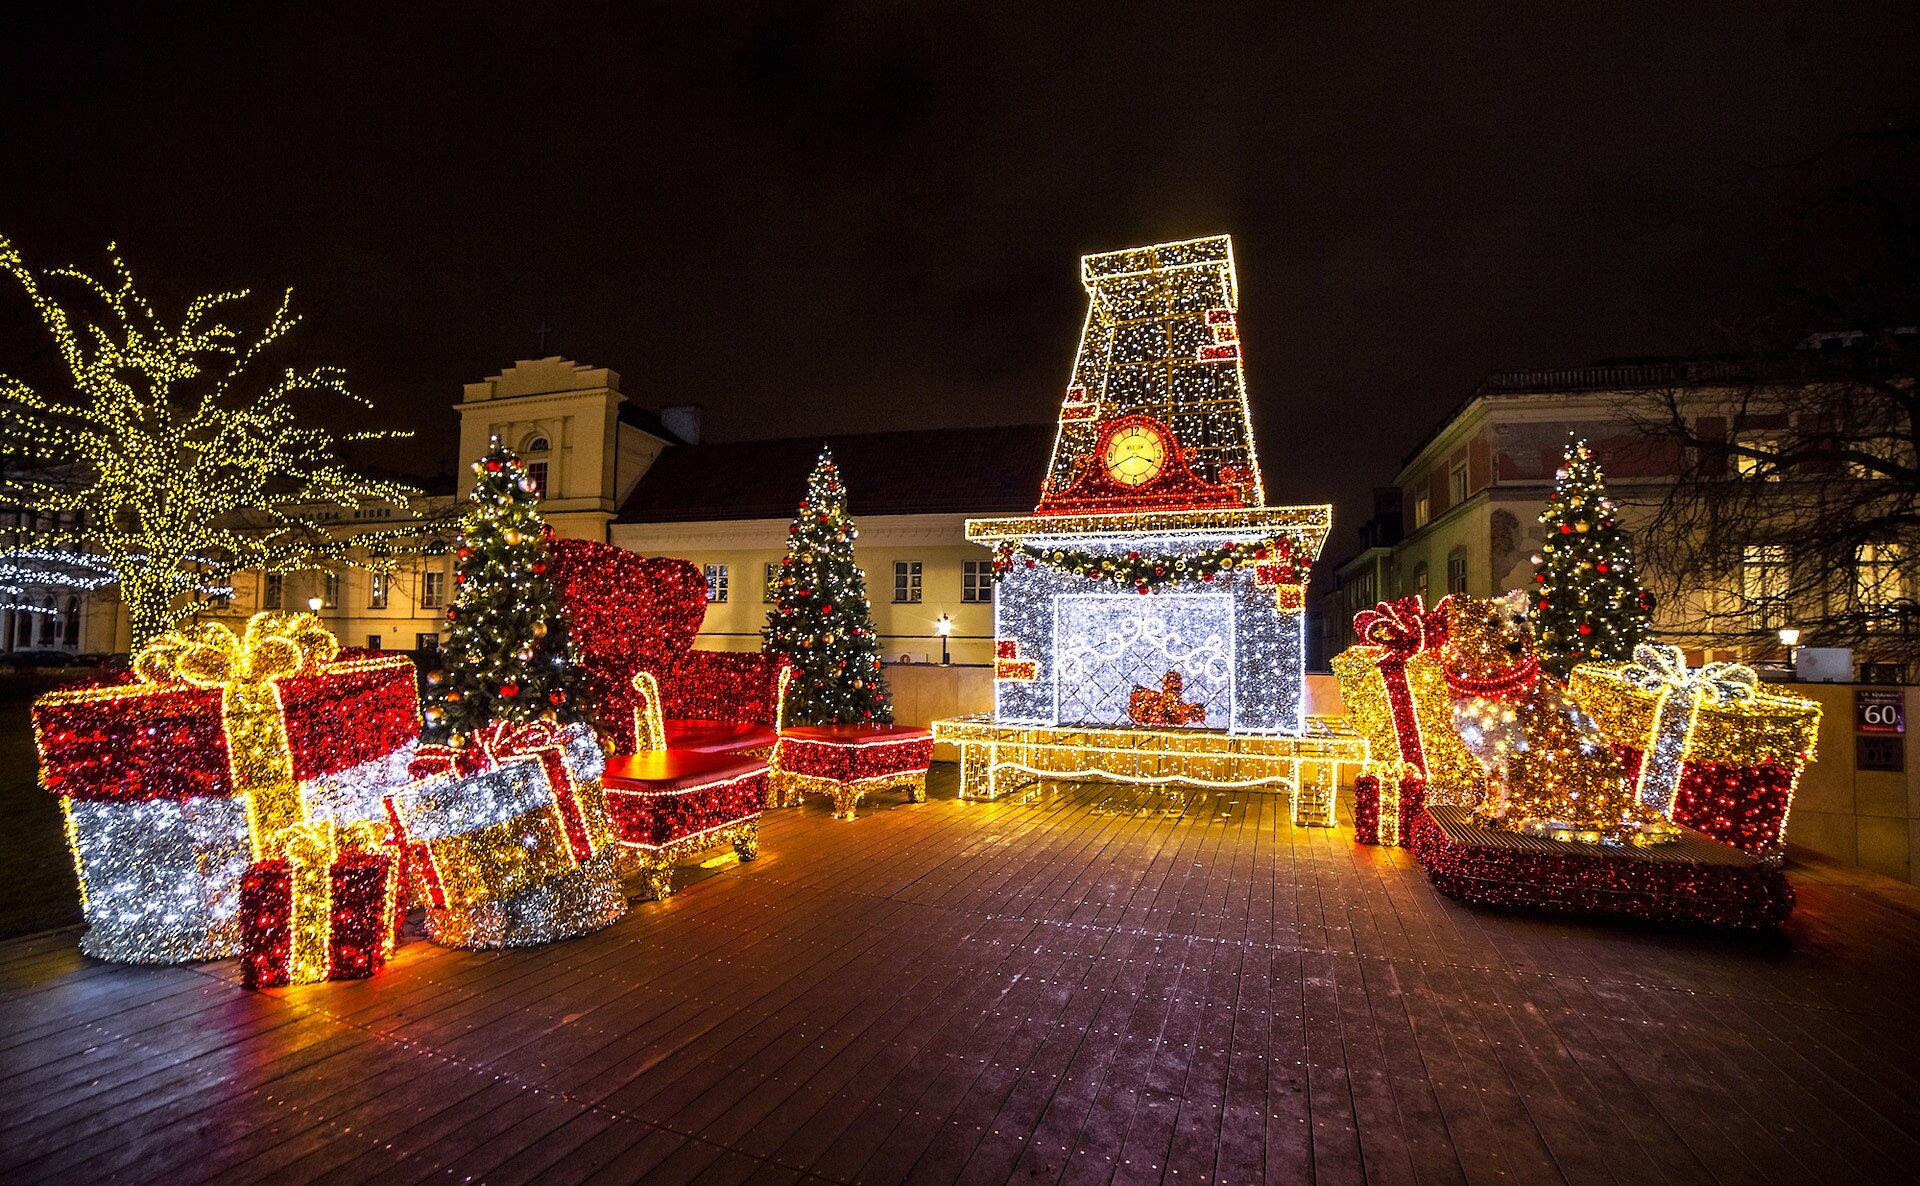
(1549, 771)
(1164, 707)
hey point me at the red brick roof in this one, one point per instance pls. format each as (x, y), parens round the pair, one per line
(970, 471)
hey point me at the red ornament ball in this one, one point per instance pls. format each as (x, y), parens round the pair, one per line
(1566, 529)
(1585, 629)
(493, 465)
(509, 690)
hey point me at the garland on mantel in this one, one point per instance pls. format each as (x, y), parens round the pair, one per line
(1274, 557)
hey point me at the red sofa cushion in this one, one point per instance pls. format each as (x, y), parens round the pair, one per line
(718, 737)
(855, 734)
(673, 771)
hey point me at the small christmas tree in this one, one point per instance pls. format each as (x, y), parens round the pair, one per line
(506, 653)
(821, 618)
(1588, 603)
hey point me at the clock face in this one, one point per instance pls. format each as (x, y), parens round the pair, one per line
(1135, 455)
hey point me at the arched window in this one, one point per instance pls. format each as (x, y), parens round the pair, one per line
(535, 453)
(70, 636)
(49, 622)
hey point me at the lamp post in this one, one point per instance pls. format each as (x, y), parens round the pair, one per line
(1790, 639)
(314, 604)
(943, 626)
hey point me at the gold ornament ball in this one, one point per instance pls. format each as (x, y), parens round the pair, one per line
(539, 629)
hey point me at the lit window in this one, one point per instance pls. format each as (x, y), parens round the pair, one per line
(1891, 454)
(1457, 484)
(1763, 583)
(534, 455)
(376, 590)
(330, 590)
(716, 582)
(976, 581)
(433, 589)
(1420, 578)
(906, 580)
(773, 583)
(1422, 509)
(275, 593)
(1880, 582)
(1457, 573)
(1760, 469)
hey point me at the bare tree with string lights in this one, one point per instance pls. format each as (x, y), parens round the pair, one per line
(171, 453)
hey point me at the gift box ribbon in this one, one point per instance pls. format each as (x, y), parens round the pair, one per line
(1403, 629)
(490, 747)
(245, 668)
(310, 850)
(1681, 692)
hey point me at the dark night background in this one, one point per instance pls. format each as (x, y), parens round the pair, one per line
(820, 218)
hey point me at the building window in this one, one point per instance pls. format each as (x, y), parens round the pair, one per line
(716, 582)
(376, 590)
(274, 595)
(1457, 484)
(1457, 573)
(976, 581)
(330, 590)
(773, 583)
(1422, 509)
(1763, 584)
(1756, 468)
(1420, 578)
(906, 580)
(533, 454)
(433, 589)
(427, 643)
(70, 624)
(1880, 583)
(373, 642)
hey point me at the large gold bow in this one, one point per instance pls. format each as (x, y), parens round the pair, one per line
(244, 668)
(274, 646)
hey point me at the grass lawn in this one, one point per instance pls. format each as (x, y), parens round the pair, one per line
(37, 885)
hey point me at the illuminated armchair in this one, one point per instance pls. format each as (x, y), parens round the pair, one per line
(712, 702)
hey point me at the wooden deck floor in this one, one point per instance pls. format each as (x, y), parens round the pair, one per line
(1079, 986)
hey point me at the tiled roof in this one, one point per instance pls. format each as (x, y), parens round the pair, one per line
(973, 471)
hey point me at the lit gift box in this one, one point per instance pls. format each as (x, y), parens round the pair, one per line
(1386, 798)
(325, 909)
(1395, 691)
(498, 816)
(1706, 747)
(174, 782)
(565, 906)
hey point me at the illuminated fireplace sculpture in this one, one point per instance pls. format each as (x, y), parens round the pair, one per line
(1149, 613)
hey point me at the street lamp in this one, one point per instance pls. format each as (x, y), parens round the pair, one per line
(1790, 639)
(314, 604)
(943, 626)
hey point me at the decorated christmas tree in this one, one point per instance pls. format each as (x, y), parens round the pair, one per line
(505, 658)
(821, 618)
(1588, 603)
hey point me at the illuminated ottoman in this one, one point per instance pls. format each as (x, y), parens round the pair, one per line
(1694, 879)
(847, 761)
(669, 804)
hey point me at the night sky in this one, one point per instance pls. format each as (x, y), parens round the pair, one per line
(827, 218)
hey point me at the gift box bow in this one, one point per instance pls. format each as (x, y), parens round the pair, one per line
(487, 748)
(1404, 627)
(274, 647)
(1661, 669)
